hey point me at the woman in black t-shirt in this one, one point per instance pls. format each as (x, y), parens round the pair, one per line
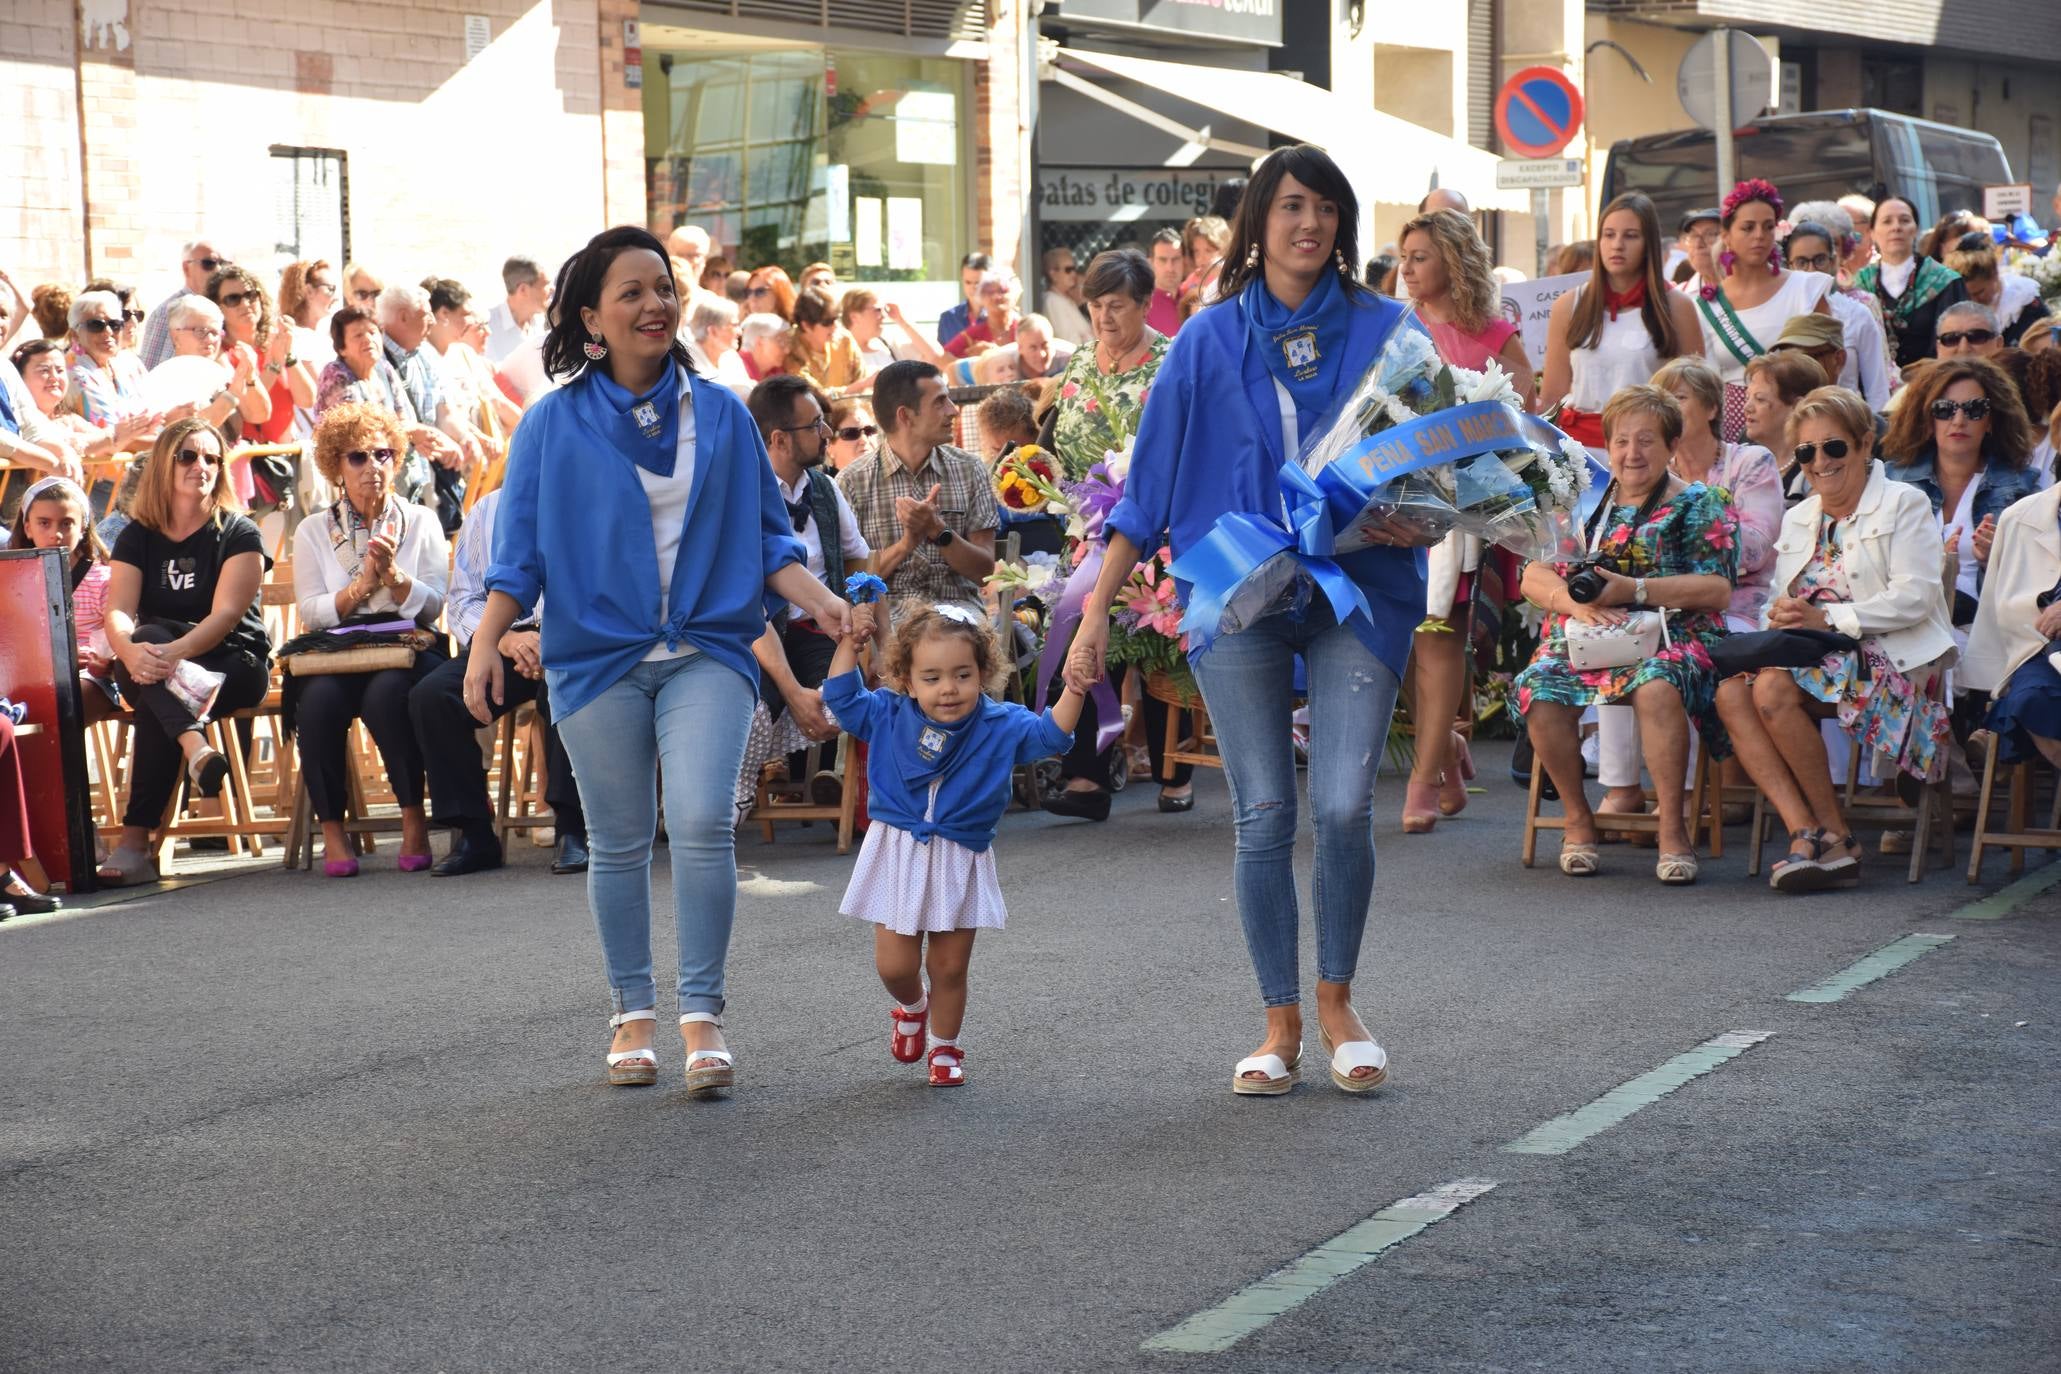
(184, 589)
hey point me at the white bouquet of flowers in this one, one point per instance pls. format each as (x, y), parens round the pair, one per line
(2046, 274)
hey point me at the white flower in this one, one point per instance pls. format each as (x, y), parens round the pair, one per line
(1490, 385)
(1118, 462)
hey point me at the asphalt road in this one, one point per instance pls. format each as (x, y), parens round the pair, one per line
(282, 1123)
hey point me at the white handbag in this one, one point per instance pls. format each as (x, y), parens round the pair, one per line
(1639, 636)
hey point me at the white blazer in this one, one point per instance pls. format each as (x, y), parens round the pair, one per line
(1893, 560)
(2024, 561)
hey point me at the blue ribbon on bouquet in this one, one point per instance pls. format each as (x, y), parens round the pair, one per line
(1238, 558)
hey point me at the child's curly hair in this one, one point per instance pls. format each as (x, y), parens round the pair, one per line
(916, 621)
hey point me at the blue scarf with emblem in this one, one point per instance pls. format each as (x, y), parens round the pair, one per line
(644, 429)
(1302, 348)
(924, 748)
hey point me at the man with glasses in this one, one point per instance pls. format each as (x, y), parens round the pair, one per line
(524, 316)
(1968, 329)
(794, 655)
(1063, 305)
(404, 326)
(1690, 263)
(198, 261)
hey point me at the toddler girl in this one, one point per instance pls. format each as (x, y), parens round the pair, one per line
(55, 514)
(938, 771)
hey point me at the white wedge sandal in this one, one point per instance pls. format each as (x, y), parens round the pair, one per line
(1355, 1054)
(703, 1077)
(632, 1068)
(1281, 1075)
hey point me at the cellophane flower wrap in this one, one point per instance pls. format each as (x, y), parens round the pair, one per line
(1439, 448)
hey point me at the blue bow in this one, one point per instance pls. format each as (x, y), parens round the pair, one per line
(1237, 571)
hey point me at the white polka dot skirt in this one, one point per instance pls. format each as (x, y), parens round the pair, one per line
(912, 887)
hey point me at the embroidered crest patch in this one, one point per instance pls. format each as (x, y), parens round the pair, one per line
(646, 416)
(930, 744)
(1300, 351)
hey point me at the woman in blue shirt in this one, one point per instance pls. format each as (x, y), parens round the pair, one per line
(1245, 380)
(647, 654)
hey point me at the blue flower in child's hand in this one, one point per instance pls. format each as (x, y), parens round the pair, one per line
(864, 588)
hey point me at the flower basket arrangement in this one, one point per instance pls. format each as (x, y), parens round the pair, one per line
(1145, 633)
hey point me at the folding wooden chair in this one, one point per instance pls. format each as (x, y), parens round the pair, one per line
(1700, 813)
(769, 812)
(519, 766)
(2016, 834)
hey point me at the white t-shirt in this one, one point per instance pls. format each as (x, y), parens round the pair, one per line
(848, 535)
(667, 497)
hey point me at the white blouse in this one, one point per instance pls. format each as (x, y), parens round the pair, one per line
(422, 554)
(1798, 294)
(1624, 356)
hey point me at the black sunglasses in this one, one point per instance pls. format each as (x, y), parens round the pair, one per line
(359, 457)
(1952, 338)
(1807, 454)
(133, 316)
(852, 433)
(1977, 409)
(234, 299)
(99, 326)
(365, 295)
(189, 456)
(212, 264)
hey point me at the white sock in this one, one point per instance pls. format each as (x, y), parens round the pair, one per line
(940, 1042)
(917, 1007)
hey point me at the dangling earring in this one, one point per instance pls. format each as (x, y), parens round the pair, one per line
(595, 349)
(1343, 269)
(1252, 257)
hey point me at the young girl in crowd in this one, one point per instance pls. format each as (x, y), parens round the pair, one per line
(55, 514)
(938, 777)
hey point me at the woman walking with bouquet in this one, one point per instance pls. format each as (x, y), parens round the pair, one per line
(1247, 378)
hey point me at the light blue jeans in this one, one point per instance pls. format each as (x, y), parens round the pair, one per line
(688, 716)
(1248, 682)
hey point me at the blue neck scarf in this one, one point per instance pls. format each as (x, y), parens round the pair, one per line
(1302, 348)
(925, 748)
(644, 429)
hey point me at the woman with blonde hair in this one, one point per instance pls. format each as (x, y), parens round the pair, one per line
(1448, 274)
(182, 595)
(307, 293)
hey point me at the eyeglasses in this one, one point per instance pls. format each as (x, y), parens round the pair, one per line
(1812, 262)
(359, 457)
(317, 284)
(1807, 454)
(99, 326)
(1977, 409)
(189, 456)
(206, 331)
(1952, 338)
(234, 299)
(133, 316)
(818, 423)
(760, 290)
(851, 434)
(366, 295)
(210, 264)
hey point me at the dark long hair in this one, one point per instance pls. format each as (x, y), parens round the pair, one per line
(1585, 322)
(1313, 167)
(579, 288)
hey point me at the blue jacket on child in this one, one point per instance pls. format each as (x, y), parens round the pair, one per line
(574, 518)
(970, 759)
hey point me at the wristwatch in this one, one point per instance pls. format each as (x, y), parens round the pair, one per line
(942, 538)
(1638, 591)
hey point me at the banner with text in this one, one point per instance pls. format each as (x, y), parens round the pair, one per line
(1123, 194)
(1527, 304)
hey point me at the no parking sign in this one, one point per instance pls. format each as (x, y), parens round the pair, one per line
(1538, 112)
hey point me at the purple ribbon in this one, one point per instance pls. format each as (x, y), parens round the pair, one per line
(1109, 714)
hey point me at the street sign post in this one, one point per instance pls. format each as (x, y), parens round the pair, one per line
(1726, 79)
(1517, 174)
(1538, 112)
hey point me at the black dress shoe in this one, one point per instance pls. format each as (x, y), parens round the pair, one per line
(572, 855)
(1167, 803)
(29, 903)
(1087, 806)
(469, 856)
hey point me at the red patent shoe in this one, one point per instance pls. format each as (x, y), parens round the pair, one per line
(908, 1028)
(947, 1066)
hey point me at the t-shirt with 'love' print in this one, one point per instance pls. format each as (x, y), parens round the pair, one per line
(179, 575)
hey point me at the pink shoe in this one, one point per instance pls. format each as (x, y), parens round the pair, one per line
(340, 868)
(414, 863)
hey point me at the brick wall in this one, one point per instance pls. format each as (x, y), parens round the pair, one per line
(453, 164)
(999, 177)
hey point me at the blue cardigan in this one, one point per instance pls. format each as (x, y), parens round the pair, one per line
(574, 519)
(1210, 443)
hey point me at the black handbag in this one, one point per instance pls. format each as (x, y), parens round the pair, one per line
(1749, 653)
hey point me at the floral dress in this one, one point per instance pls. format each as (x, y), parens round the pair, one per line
(1695, 531)
(1884, 710)
(1090, 398)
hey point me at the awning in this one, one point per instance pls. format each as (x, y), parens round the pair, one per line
(1386, 158)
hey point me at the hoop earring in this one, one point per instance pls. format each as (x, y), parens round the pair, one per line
(595, 349)
(1252, 257)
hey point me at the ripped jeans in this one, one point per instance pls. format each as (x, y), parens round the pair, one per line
(1248, 681)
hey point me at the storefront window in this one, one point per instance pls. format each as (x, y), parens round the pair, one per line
(795, 156)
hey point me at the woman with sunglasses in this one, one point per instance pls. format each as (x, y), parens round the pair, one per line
(182, 594)
(369, 558)
(107, 376)
(853, 434)
(1960, 436)
(770, 293)
(1859, 556)
(255, 336)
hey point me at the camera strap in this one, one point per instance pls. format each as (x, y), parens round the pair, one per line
(1603, 509)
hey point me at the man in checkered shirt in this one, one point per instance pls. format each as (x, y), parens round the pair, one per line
(927, 509)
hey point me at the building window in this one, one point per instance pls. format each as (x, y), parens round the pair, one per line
(311, 204)
(1896, 84)
(801, 155)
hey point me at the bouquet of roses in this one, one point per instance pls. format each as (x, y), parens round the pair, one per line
(1442, 448)
(1027, 482)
